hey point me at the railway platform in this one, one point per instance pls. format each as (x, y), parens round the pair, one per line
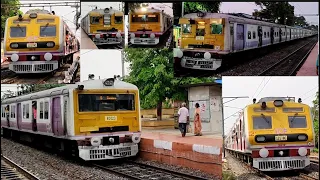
(86, 42)
(203, 153)
(309, 66)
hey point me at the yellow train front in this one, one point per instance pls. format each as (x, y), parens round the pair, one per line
(148, 25)
(104, 26)
(35, 42)
(279, 134)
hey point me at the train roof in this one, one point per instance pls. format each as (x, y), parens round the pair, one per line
(89, 84)
(149, 10)
(97, 12)
(233, 17)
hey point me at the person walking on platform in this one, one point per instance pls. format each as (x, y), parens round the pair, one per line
(197, 121)
(183, 119)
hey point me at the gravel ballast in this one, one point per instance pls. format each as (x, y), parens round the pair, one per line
(48, 166)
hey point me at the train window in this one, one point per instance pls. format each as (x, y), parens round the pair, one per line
(46, 110)
(265, 35)
(18, 31)
(216, 28)
(268, 34)
(297, 122)
(13, 111)
(264, 110)
(249, 34)
(106, 102)
(107, 19)
(48, 31)
(25, 110)
(95, 20)
(201, 30)
(186, 28)
(41, 110)
(253, 35)
(118, 19)
(262, 122)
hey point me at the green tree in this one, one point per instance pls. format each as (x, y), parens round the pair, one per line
(282, 12)
(315, 114)
(193, 7)
(152, 73)
(9, 8)
(133, 6)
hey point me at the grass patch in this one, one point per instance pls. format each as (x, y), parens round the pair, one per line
(228, 175)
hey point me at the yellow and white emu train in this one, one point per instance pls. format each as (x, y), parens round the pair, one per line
(148, 25)
(104, 26)
(275, 134)
(38, 42)
(94, 119)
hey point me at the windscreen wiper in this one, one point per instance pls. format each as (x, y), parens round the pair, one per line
(264, 117)
(45, 26)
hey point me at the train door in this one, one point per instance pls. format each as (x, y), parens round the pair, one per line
(240, 37)
(240, 127)
(260, 36)
(272, 35)
(56, 116)
(19, 115)
(231, 37)
(8, 114)
(34, 115)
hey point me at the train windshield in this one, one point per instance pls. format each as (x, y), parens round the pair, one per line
(106, 102)
(118, 19)
(48, 31)
(95, 20)
(216, 28)
(262, 122)
(145, 18)
(18, 31)
(297, 122)
(186, 28)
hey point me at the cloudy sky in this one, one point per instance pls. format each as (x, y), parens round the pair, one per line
(67, 12)
(248, 8)
(257, 87)
(103, 63)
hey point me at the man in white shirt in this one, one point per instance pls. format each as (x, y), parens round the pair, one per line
(183, 119)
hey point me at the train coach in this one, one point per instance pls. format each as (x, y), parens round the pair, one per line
(38, 42)
(148, 25)
(93, 120)
(206, 38)
(104, 26)
(275, 134)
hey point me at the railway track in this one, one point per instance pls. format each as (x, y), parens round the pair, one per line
(289, 65)
(138, 171)
(12, 171)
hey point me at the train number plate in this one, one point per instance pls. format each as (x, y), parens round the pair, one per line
(199, 37)
(31, 45)
(280, 138)
(110, 118)
(106, 25)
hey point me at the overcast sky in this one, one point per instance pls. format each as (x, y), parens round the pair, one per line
(248, 8)
(103, 63)
(67, 12)
(235, 86)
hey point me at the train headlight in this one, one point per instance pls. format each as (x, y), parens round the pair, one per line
(97, 36)
(261, 138)
(302, 138)
(302, 151)
(263, 152)
(14, 45)
(14, 57)
(281, 153)
(135, 138)
(207, 55)
(132, 35)
(278, 103)
(118, 35)
(152, 35)
(111, 140)
(47, 56)
(177, 53)
(50, 44)
(95, 141)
